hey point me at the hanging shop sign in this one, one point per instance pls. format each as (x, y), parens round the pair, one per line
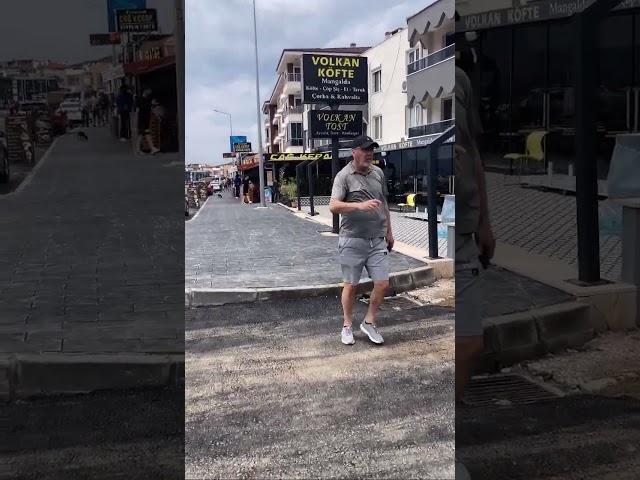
(142, 20)
(335, 123)
(334, 79)
(99, 39)
(242, 147)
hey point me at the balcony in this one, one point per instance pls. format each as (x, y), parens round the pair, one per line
(292, 84)
(432, 76)
(431, 128)
(292, 114)
(295, 142)
(430, 60)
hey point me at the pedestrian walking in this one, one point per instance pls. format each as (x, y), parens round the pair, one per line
(145, 105)
(245, 190)
(237, 183)
(359, 194)
(474, 240)
(124, 104)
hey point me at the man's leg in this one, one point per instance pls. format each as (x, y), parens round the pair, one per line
(469, 331)
(468, 353)
(348, 300)
(377, 297)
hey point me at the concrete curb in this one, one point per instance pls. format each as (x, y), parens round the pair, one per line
(208, 297)
(37, 375)
(516, 337)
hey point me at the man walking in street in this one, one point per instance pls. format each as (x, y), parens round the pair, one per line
(145, 105)
(237, 182)
(359, 194)
(124, 103)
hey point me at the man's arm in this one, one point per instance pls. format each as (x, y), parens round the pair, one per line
(340, 207)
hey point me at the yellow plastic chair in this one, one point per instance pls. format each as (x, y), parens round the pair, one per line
(534, 151)
(411, 202)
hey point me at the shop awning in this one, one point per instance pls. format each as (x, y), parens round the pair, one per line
(248, 166)
(146, 66)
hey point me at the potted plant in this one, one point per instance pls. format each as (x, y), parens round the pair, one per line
(289, 192)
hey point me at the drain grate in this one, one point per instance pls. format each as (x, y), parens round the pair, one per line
(506, 389)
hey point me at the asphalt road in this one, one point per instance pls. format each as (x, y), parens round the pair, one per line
(271, 392)
(103, 436)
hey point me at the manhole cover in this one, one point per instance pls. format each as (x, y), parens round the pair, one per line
(505, 390)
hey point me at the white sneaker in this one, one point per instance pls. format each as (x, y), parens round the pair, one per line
(372, 332)
(347, 336)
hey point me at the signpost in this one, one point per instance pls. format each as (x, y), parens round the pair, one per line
(140, 20)
(229, 155)
(242, 147)
(113, 5)
(334, 80)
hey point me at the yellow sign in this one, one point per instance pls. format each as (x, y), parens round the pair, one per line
(285, 157)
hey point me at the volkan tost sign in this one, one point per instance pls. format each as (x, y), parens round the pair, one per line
(334, 79)
(335, 123)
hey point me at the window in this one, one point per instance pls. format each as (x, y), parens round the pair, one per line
(412, 56)
(377, 127)
(418, 117)
(296, 130)
(447, 109)
(377, 81)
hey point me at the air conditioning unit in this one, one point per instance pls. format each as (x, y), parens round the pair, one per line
(404, 87)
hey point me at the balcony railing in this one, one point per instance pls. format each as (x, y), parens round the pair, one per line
(295, 142)
(432, 59)
(296, 109)
(431, 129)
(293, 77)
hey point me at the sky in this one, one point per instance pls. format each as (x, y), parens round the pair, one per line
(59, 29)
(220, 59)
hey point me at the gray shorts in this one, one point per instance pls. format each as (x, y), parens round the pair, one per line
(468, 288)
(357, 253)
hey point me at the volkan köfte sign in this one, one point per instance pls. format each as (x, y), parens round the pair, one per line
(335, 123)
(334, 79)
(97, 39)
(242, 147)
(143, 20)
(536, 12)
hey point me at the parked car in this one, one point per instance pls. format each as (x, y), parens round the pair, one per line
(72, 109)
(5, 167)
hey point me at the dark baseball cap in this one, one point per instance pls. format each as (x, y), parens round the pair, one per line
(364, 142)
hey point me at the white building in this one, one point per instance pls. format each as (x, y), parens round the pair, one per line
(387, 121)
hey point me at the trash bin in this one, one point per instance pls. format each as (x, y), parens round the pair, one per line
(624, 173)
(268, 195)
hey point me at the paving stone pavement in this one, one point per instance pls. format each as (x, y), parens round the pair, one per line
(91, 252)
(544, 222)
(230, 245)
(406, 230)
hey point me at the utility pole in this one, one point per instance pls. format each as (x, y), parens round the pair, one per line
(180, 54)
(259, 117)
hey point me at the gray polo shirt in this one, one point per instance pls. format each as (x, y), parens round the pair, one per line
(352, 186)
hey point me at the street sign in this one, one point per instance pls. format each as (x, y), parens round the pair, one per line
(335, 123)
(228, 155)
(113, 5)
(236, 139)
(98, 39)
(141, 20)
(334, 79)
(242, 147)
